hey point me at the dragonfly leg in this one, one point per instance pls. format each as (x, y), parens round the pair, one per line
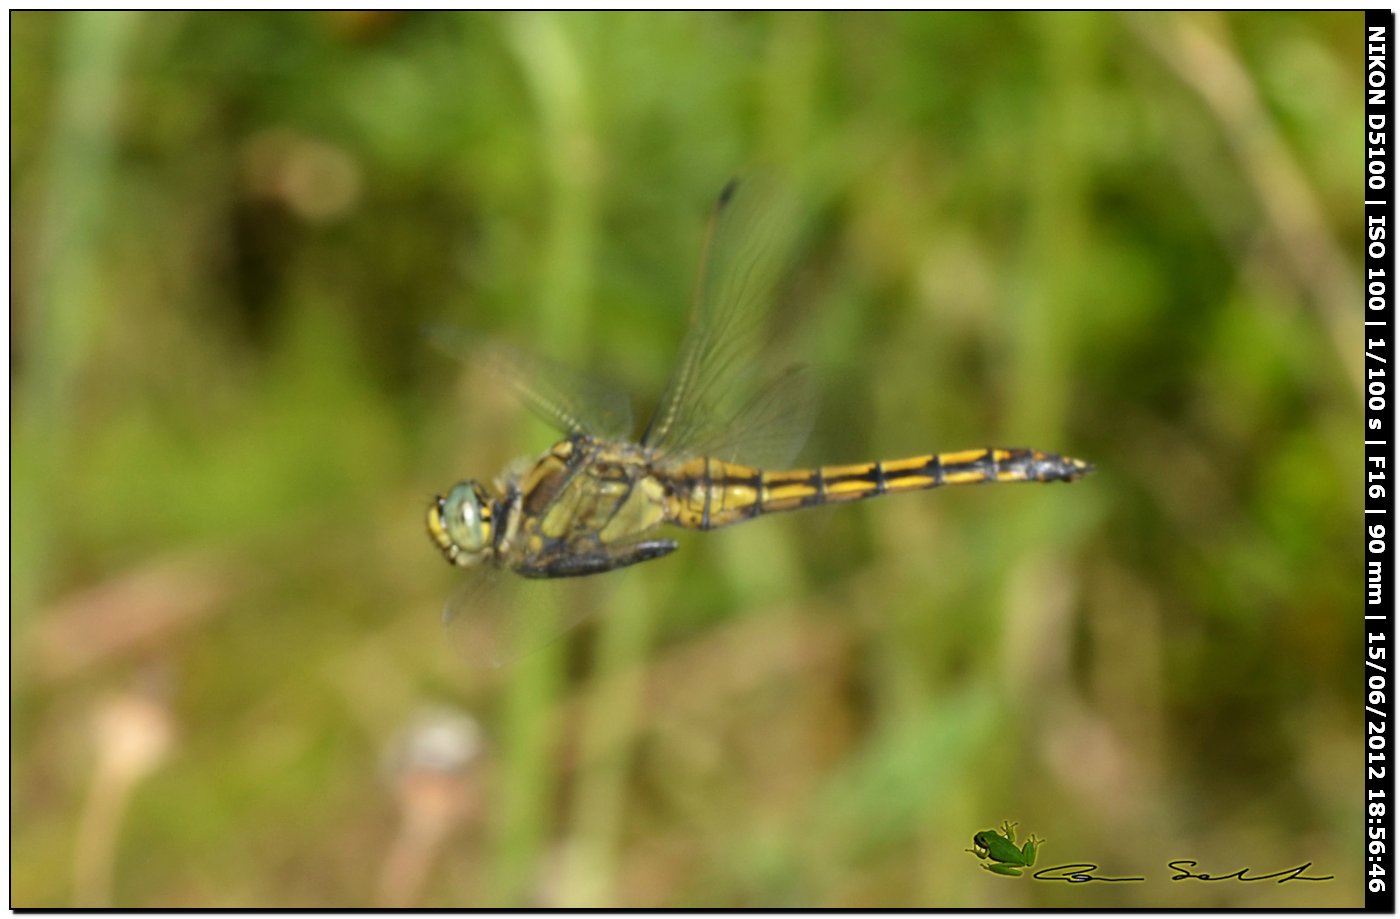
(572, 566)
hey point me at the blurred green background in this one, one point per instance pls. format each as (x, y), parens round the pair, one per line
(1131, 238)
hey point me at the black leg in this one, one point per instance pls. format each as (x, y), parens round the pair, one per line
(573, 566)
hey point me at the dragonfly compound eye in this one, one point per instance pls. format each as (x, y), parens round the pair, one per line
(460, 523)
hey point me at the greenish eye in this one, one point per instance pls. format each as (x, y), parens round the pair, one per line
(460, 522)
(463, 515)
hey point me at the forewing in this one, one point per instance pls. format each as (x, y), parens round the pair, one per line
(571, 401)
(496, 617)
(720, 398)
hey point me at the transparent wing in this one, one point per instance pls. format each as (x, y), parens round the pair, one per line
(720, 401)
(495, 617)
(769, 428)
(571, 401)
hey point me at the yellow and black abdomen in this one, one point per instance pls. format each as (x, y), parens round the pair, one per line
(709, 493)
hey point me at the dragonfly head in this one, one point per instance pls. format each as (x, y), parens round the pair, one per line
(461, 525)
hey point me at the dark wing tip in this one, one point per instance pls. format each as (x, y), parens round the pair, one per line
(727, 193)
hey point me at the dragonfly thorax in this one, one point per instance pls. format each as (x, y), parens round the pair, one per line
(461, 523)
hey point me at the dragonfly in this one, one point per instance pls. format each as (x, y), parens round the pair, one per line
(600, 499)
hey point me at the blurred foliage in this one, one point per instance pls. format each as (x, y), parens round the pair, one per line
(1126, 237)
